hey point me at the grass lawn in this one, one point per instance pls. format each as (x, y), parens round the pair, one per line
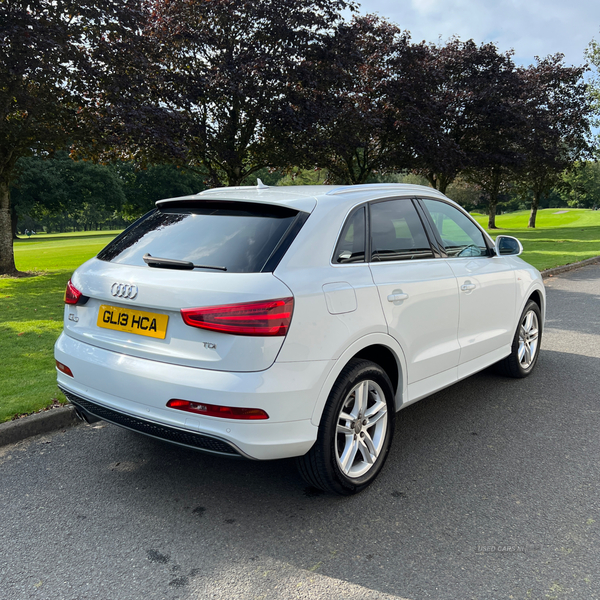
(31, 309)
(31, 313)
(559, 238)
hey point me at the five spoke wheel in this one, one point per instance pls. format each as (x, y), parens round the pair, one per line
(361, 428)
(528, 339)
(526, 343)
(355, 431)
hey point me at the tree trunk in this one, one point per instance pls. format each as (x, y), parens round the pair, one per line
(494, 191)
(432, 180)
(534, 208)
(492, 214)
(439, 181)
(7, 257)
(13, 222)
(235, 176)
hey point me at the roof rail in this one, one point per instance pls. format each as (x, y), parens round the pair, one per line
(363, 187)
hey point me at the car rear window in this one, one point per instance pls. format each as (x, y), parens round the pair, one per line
(242, 237)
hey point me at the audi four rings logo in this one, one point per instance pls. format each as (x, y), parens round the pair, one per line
(124, 290)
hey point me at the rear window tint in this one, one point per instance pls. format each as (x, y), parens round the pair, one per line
(351, 245)
(238, 236)
(397, 232)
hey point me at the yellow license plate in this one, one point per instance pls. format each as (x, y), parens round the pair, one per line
(133, 321)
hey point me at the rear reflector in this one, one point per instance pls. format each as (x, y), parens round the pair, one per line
(264, 318)
(212, 410)
(64, 369)
(72, 294)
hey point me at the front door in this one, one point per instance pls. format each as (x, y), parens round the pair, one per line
(486, 284)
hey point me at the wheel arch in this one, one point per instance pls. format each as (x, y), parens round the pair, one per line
(379, 348)
(539, 297)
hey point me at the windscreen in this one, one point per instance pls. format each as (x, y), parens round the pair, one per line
(237, 236)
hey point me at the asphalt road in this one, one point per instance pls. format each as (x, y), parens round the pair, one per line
(491, 491)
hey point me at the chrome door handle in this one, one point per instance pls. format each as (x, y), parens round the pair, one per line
(397, 296)
(468, 286)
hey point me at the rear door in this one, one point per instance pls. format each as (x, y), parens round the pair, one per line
(417, 290)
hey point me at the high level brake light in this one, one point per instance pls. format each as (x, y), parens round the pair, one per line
(212, 410)
(264, 318)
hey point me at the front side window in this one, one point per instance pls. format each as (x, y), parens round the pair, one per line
(397, 232)
(460, 236)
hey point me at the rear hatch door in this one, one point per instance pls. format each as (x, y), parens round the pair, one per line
(135, 308)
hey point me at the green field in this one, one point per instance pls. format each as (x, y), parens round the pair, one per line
(31, 313)
(31, 308)
(60, 251)
(560, 238)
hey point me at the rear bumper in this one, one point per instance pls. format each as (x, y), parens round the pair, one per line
(133, 392)
(181, 437)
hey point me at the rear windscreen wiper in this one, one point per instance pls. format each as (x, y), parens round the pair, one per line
(172, 263)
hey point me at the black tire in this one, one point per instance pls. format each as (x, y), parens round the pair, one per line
(517, 364)
(322, 466)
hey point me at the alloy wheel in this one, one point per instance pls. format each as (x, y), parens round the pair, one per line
(361, 428)
(528, 339)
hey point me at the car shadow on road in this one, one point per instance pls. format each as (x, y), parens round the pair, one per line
(488, 460)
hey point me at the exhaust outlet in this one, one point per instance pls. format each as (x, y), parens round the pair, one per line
(85, 416)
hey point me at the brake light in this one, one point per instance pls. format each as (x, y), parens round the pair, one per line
(72, 294)
(264, 318)
(224, 412)
(64, 369)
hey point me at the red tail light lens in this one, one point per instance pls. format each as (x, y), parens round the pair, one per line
(64, 369)
(224, 412)
(265, 318)
(72, 294)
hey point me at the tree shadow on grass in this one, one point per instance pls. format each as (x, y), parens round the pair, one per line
(33, 298)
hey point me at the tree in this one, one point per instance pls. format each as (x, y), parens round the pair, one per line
(60, 192)
(473, 118)
(558, 111)
(225, 69)
(592, 55)
(441, 154)
(582, 185)
(496, 126)
(49, 68)
(469, 88)
(143, 187)
(364, 85)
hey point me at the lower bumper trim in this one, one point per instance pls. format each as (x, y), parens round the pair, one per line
(189, 439)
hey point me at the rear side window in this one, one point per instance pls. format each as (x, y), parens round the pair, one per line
(351, 245)
(239, 236)
(397, 232)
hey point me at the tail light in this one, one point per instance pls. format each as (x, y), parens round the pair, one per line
(212, 410)
(264, 318)
(73, 295)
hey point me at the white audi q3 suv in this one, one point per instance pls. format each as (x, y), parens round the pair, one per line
(273, 322)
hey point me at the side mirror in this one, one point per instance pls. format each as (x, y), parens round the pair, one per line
(507, 245)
